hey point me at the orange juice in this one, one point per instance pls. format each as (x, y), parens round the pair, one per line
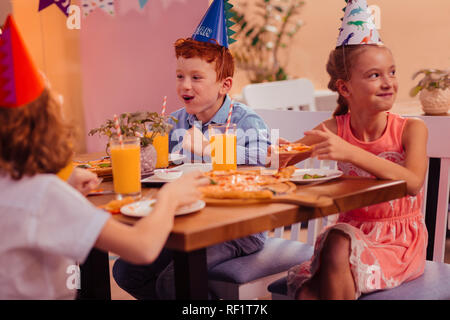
(161, 144)
(65, 172)
(126, 168)
(223, 152)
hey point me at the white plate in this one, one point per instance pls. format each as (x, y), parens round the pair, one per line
(154, 179)
(144, 207)
(168, 174)
(329, 174)
(176, 157)
(187, 167)
(138, 209)
(196, 206)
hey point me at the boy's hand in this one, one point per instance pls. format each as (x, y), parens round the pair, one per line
(195, 142)
(83, 180)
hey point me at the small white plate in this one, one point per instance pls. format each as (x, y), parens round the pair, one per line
(188, 167)
(138, 209)
(176, 157)
(329, 174)
(153, 179)
(144, 207)
(168, 174)
(196, 206)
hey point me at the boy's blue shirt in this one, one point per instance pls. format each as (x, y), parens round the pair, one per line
(252, 132)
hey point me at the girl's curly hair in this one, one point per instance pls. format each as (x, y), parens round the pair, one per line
(34, 138)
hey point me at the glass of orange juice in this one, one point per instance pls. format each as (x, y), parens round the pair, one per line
(126, 166)
(161, 144)
(223, 146)
(65, 172)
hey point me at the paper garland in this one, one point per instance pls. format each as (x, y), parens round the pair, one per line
(142, 3)
(87, 6)
(62, 5)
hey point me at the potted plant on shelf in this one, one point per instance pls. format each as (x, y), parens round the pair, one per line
(434, 89)
(146, 125)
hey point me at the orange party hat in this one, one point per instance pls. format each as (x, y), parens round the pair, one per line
(20, 81)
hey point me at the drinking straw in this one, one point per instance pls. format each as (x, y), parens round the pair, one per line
(229, 119)
(164, 106)
(119, 133)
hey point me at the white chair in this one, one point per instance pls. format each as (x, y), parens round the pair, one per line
(297, 94)
(326, 100)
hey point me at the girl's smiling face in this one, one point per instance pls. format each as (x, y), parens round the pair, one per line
(198, 88)
(373, 84)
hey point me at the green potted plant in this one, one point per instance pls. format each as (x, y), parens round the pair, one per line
(264, 30)
(145, 125)
(433, 90)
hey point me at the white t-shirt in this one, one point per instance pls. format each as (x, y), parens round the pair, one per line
(46, 227)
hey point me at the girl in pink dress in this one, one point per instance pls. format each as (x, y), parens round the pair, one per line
(383, 245)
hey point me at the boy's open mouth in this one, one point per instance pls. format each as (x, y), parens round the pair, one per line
(187, 98)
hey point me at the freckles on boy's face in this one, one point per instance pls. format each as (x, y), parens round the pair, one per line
(197, 86)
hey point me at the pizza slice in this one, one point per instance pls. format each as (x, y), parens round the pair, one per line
(293, 148)
(100, 167)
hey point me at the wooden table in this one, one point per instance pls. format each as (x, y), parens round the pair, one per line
(192, 233)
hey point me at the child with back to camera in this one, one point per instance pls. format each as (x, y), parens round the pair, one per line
(48, 226)
(383, 245)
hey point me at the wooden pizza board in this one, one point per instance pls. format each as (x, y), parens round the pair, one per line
(285, 193)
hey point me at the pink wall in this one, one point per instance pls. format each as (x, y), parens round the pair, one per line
(128, 61)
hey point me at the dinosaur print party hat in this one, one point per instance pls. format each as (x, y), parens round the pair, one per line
(20, 81)
(358, 26)
(215, 25)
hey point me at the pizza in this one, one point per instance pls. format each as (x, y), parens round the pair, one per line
(293, 148)
(114, 205)
(101, 167)
(245, 184)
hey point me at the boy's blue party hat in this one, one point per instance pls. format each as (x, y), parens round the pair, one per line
(215, 24)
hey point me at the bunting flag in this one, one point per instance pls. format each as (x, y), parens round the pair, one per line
(62, 5)
(88, 6)
(142, 3)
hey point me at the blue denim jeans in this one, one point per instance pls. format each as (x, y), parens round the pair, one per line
(157, 280)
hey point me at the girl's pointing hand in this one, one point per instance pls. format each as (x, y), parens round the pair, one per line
(332, 147)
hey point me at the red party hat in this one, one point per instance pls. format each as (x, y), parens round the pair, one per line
(20, 81)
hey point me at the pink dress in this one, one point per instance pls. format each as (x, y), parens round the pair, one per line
(388, 240)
